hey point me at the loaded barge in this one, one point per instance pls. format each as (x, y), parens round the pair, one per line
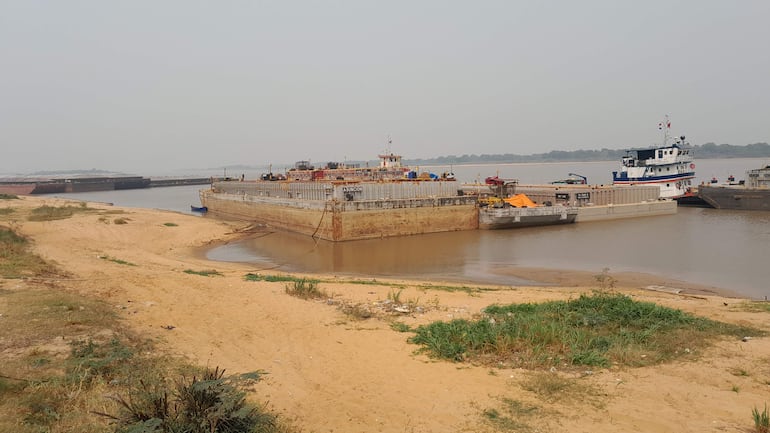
(342, 203)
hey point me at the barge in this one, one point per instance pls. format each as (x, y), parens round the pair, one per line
(343, 203)
(750, 194)
(27, 186)
(508, 217)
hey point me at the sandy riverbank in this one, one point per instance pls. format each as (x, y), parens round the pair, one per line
(337, 374)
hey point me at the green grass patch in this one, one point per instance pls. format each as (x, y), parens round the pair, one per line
(593, 330)
(467, 289)
(118, 261)
(208, 273)
(4, 196)
(278, 278)
(171, 224)
(50, 213)
(16, 260)
(761, 420)
(372, 282)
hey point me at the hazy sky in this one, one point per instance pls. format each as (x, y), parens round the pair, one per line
(146, 86)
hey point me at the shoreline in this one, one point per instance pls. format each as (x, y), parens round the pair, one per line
(331, 372)
(509, 275)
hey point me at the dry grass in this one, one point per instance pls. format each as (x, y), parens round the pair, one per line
(16, 261)
(62, 354)
(50, 213)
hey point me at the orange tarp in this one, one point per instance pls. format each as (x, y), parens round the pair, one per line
(520, 200)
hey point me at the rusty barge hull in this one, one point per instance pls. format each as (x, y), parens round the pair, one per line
(344, 211)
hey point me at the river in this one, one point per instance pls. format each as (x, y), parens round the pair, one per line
(719, 248)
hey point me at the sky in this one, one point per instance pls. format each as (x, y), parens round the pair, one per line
(146, 87)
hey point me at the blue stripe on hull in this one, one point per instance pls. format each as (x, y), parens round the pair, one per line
(653, 179)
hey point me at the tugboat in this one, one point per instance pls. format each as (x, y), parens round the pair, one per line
(668, 165)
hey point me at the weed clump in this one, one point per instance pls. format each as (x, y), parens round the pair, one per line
(118, 261)
(761, 420)
(5, 196)
(595, 330)
(305, 289)
(210, 402)
(206, 273)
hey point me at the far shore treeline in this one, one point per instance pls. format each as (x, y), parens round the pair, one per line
(705, 151)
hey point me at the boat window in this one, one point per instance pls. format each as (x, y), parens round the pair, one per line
(660, 154)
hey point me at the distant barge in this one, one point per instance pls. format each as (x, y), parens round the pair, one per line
(89, 184)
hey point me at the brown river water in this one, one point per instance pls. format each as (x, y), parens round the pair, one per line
(725, 249)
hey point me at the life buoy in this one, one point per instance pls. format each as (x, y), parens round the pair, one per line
(692, 166)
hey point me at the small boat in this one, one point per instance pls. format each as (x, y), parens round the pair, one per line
(201, 209)
(670, 166)
(573, 179)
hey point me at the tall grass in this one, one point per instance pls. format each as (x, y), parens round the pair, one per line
(594, 330)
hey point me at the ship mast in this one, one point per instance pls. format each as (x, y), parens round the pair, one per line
(665, 125)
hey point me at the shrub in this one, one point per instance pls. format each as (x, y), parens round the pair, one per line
(211, 403)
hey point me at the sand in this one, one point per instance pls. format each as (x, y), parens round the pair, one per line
(331, 373)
